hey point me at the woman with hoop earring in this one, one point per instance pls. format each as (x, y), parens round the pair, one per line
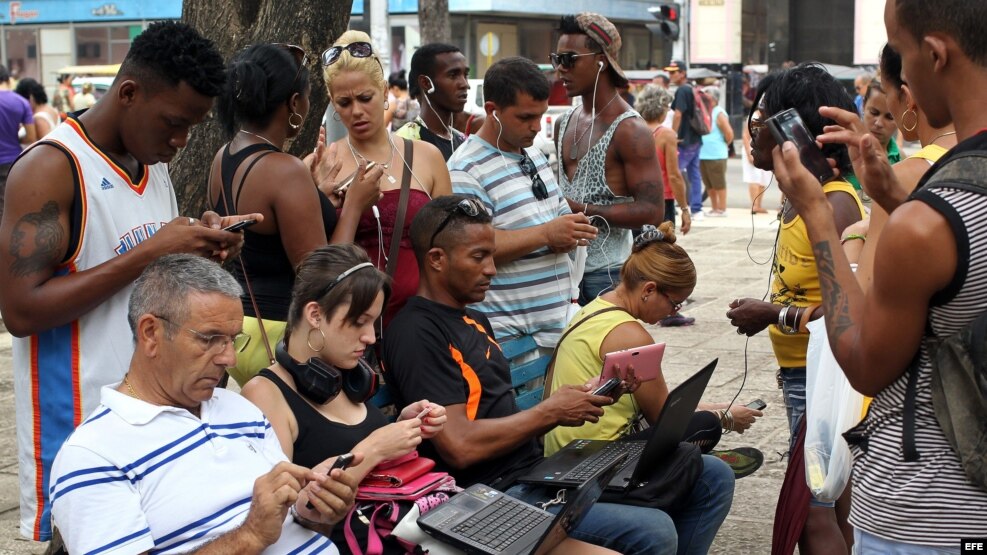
(358, 91)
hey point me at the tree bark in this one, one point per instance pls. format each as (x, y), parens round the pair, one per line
(234, 25)
(433, 21)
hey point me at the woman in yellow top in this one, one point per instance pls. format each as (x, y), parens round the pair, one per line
(654, 282)
(862, 237)
(795, 290)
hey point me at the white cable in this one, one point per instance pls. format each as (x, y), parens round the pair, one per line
(448, 128)
(380, 236)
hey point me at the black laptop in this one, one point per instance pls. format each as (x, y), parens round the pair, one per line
(583, 457)
(484, 520)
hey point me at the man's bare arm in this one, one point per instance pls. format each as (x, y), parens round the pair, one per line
(34, 240)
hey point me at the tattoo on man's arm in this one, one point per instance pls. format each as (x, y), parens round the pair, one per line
(837, 302)
(36, 240)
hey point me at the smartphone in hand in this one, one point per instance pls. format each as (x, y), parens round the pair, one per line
(342, 461)
(607, 387)
(349, 180)
(242, 224)
(756, 404)
(787, 125)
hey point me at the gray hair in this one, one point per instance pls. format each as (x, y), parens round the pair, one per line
(653, 102)
(164, 287)
(714, 92)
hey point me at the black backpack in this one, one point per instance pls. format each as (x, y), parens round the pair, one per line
(959, 360)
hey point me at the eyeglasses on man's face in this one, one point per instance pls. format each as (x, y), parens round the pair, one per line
(467, 206)
(215, 343)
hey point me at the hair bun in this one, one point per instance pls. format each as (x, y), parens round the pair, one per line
(651, 234)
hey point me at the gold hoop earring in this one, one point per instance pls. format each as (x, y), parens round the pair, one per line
(291, 123)
(905, 126)
(308, 340)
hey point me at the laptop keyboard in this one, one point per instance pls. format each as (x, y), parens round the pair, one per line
(501, 524)
(589, 467)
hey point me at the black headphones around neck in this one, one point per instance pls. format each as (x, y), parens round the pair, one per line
(320, 382)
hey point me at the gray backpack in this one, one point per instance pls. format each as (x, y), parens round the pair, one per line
(959, 360)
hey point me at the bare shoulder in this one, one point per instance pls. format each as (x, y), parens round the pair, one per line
(634, 139)
(918, 244)
(627, 335)
(264, 393)
(423, 149)
(909, 172)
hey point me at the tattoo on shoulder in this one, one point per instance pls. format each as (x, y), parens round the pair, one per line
(35, 243)
(837, 302)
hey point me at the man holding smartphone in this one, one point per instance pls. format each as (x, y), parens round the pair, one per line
(172, 463)
(911, 493)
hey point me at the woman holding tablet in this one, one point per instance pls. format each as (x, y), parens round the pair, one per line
(654, 282)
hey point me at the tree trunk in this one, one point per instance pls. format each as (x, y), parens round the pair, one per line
(234, 25)
(433, 21)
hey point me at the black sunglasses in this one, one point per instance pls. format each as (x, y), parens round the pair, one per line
(298, 53)
(467, 207)
(529, 169)
(567, 59)
(356, 49)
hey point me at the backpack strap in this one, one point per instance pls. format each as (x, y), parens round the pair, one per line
(551, 363)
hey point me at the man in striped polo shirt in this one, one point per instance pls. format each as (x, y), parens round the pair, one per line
(534, 228)
(168, 462)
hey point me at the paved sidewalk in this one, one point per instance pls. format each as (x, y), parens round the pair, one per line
(719, 247)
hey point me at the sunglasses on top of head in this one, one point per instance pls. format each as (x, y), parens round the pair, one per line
(298, 53)
(567, 59)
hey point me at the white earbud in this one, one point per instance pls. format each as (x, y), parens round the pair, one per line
(375, 211)
(494, 114)
(601, 65)
(431, 85)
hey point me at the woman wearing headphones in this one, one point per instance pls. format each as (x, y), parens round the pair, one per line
(358, 92)
(317, 394)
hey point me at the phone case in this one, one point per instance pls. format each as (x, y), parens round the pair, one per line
(646, 361)
(410, 491)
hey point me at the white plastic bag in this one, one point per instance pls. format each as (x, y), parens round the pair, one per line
(577, 267)
(832, 407)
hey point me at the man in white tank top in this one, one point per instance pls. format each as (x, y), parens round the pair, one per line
(87, 209)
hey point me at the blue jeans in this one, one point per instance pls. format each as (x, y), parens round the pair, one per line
(597, 282)
(865, 543)
(689, 164)
(638, 530)
(793, 391)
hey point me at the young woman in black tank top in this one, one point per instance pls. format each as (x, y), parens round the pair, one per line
(338, 295)
(264, 104)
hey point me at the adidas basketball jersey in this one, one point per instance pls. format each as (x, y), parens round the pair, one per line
(58, 373)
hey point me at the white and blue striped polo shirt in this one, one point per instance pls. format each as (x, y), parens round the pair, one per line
(529, 295)
(137, 477)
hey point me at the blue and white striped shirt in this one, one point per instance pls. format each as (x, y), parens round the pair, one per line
(137, 477)
(529, 295)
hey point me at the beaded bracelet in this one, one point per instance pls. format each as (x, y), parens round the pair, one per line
(852, 237)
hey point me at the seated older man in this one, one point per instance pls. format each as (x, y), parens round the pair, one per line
(169, 463)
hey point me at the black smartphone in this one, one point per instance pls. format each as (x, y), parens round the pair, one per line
(607, 387)
(756, 404)
(787, 125)
(342, 461)
(242, 224)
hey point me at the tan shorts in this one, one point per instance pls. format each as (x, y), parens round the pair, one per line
(714, 173)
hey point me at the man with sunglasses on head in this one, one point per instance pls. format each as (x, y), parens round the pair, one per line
(608, 169)
(439, 81)
(534, 228)
(87, 209)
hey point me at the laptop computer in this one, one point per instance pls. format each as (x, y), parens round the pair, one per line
(581, 457)
(484, 520)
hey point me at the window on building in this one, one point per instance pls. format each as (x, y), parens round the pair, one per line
(103, 45)
(638, 49)
(22, 53)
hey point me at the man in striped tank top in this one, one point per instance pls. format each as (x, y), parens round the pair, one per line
(87, 209)
(910, 491)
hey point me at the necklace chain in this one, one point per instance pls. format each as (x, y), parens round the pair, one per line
(576, 140)
(259, 136)
(130, 388)
(357, 155)
(933, 141)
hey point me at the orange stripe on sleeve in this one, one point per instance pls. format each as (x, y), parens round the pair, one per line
(476, 390)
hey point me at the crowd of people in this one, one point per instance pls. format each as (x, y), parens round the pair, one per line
(411, 249)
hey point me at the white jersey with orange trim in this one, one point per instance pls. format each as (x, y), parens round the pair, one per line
(58, 373)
